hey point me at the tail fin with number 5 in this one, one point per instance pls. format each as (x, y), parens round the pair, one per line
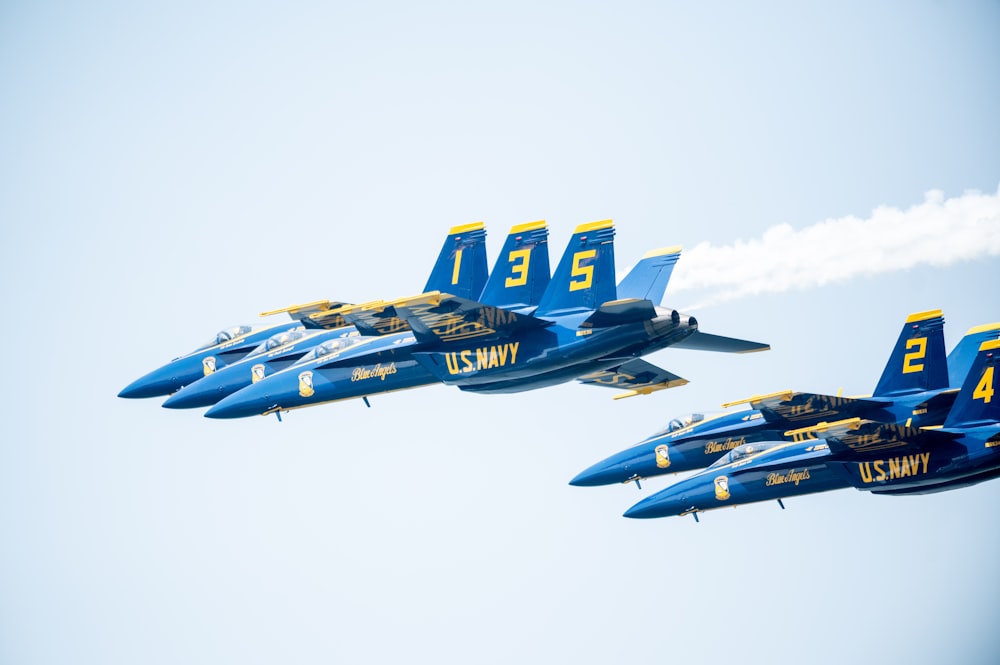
(585, 276)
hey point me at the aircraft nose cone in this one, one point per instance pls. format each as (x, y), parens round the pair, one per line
(601, 473)
(191, 397)
(657, 506)
(154, 384)
(238, 406)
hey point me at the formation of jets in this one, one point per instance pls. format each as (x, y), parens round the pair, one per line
(517, 328)
(931, 423)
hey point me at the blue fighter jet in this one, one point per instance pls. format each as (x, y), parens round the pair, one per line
(882, 458)
(582, 328)
(461, 266)
(913, 389)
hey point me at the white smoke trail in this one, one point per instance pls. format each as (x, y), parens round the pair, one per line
(937, 232)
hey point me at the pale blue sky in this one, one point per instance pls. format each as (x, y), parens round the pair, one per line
(171, 169)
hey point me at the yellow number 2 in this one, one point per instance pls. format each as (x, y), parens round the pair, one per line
(984, 390)
(518, 271)
(587, 272)
(908, 360)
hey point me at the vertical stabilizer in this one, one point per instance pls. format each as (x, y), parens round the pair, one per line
(918, 361)
(961, 357)
(461, 268)
(978, 402)
(585, 276)
(521, 273)
(648, 279)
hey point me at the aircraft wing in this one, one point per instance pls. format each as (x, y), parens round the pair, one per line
(699, 341)
(791, 409)
(447, 318)
(636, 376)
(380, 317)
(859, 437)
(375, 319)
(308, 313)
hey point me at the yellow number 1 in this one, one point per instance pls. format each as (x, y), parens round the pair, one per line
(921, 344)
(587, 272)
(984, 390)
(518, 271)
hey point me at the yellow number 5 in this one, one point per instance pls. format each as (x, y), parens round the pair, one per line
(587, 272)
(518, 271)
(921, 344)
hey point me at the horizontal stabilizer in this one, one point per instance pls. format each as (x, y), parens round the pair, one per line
(636, 376)
(620, 312)
(700, 341)
(448, 318)
(795, 409)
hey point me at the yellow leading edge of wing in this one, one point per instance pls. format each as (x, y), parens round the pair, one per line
(320, 304)
(923, 316)
(784, 394)
(528, 226)
(465, 228)
(989, 345)
(593, 226)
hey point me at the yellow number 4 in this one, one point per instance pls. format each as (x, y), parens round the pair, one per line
(984, 390)
(587, 272)
(518, 271)
(908, 360)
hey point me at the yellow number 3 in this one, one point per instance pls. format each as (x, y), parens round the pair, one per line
(518, 271)
(908, 366)
(586, 272)
(984, 390)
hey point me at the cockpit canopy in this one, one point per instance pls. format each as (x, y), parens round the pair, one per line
(280, 339)
(328, 347)
(740, 452)
(226, 335)
(682, 422)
